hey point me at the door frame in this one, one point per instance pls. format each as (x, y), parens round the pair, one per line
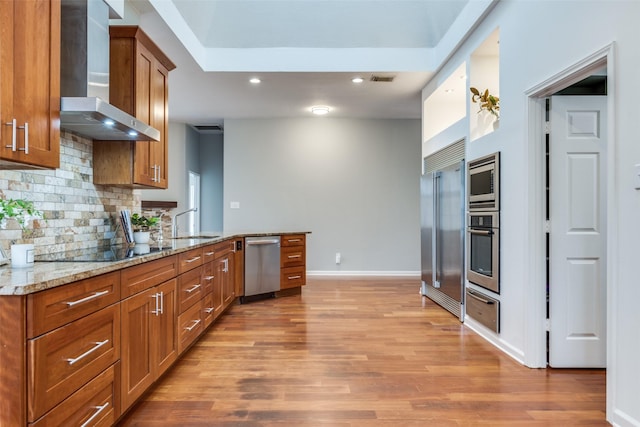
(535, 343)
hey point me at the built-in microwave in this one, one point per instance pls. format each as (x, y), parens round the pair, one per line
(483, 183)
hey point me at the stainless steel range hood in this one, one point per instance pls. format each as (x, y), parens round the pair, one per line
(84, 77)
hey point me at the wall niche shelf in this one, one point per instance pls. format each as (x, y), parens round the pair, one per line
(484, 71)
(446, 105)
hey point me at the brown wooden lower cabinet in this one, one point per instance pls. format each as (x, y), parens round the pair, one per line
(83, 353)
(149, 341)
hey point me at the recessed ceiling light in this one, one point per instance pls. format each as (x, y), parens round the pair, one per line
(320, 110)
(254, 80)
(357, 80)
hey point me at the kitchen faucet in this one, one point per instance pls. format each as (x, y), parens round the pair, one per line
(174, 222)
(160, 234)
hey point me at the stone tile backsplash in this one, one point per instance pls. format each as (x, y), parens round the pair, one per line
(79, 214)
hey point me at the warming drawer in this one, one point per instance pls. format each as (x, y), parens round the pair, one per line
(483, 308)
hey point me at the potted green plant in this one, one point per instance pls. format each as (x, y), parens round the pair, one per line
(141, 225)
(487, 101)
(22, 211)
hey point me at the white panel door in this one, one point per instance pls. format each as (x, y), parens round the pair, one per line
(577, 251)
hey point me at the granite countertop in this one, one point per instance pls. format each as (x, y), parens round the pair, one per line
(44, 275)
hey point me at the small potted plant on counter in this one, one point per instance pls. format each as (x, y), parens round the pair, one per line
(141, 225)
(22, 211)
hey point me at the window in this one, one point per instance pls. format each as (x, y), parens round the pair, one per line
(194, 202)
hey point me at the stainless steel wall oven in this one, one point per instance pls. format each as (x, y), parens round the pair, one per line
(483, 250)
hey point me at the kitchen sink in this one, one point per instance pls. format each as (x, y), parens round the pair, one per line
(198, 236)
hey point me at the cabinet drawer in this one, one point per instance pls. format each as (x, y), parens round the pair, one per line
(189, 289)
(95, 404)
(292, 240)
(144, 276)
(189, 260)
(55, 307)
(292, 256)
(224, 248)
(208, 309)
(190, 325)
(208, 276)
(292, 277)
(208, 254)
(65, 359)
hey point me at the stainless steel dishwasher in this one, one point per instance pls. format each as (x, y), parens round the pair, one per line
(261, 266)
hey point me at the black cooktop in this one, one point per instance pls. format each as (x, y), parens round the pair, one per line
(98, 254)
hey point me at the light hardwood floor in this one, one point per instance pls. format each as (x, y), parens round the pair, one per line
(360, 352)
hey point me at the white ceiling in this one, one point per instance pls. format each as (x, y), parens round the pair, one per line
(304, 51)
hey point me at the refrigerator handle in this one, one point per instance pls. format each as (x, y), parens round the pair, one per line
(436, 229)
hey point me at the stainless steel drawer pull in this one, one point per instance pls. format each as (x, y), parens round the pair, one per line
(293, 277)
(474, 296)
(225, 269)
(13, 125)
(88, 352)
(209, 310)
(293, 240)
(159, 297)
(192, 289)
(85, 299)
(294, 256)
(99, 409)
(193, 259)
(209, 253)
(195, 323)
(209, 277)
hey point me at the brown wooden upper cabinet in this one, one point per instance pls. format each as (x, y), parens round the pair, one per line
(138, 85)
(30, 84)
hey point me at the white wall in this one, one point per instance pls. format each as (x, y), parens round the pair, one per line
(353, 183)
(537, 41)
(211, 169)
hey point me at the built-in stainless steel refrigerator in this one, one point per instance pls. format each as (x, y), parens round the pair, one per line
(442, 236)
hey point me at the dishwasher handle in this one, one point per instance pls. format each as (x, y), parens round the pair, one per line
(262, 242)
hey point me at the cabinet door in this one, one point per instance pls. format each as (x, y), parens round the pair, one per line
(144, 172)
(228, 280)
(218, 284)
(160, 121)
(167, 342)
(136, 345)
(30, 82)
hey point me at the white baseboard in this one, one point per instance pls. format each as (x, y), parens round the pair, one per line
(338, 273)
(490, 336)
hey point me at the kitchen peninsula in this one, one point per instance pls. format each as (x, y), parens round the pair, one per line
(80, 342)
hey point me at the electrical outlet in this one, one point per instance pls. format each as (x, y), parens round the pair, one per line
(338, 258)
(234, 205)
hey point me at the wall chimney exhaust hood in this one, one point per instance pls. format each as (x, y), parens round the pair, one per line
(84, 77)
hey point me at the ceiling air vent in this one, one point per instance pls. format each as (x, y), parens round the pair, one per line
(208, 128)
(386, 79)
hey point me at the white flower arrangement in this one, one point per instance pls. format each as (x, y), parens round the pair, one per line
(22, 211)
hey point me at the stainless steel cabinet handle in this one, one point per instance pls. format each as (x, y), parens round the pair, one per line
(209, 310)
(159, 297)
(225, 269)
(195, 323)
(88, 352)
(12, 123)
(154, 173)
(209, 253)
(293, 277)
(293, 240)
(294, 256)
(474, 296)
(209, 278)
(26, 138)
(481, 232)
(85, 299)
(193, 259)
(99, 409)
(193, 288)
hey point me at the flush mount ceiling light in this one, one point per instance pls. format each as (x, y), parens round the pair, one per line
(254, 80)
(320, 110)
(357, 80)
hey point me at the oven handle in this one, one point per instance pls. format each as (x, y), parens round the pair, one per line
(472, 295)
(481, 232)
